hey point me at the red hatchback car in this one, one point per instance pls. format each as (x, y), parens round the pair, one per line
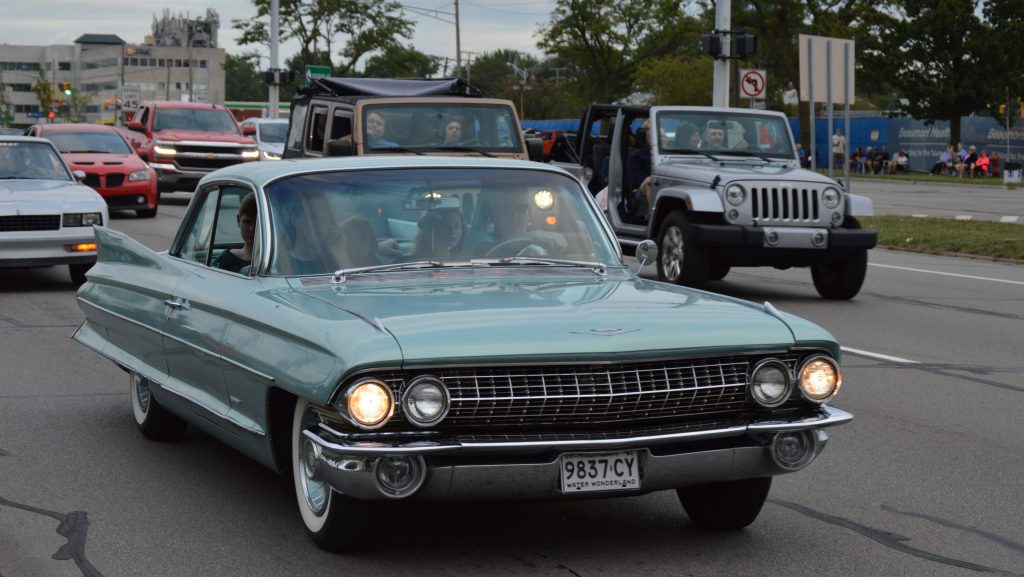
(111, 166)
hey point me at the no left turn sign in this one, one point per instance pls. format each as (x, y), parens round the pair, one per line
(752, 83)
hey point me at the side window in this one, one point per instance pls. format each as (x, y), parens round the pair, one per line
(198, 239)
(295, 127)
(317, 130)
(142, 115)
(341, 124)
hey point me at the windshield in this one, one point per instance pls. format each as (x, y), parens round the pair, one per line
(273, 132)
(423, 126)
(329, 221)
(31, 160)
(90, 141)
(723, 133)
(207, 119)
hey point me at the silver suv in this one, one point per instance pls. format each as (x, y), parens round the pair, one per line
(725, 189)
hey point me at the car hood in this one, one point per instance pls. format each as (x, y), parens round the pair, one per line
(741, 169)
(94, 160)
(536, 319)
(172, 135)
(45, 196)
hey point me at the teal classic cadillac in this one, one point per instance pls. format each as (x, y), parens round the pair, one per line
(388, 328)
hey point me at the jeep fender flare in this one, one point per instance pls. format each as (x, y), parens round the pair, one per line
(687, 198)
(857, 205)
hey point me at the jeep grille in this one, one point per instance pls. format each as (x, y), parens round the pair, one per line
(780, 205)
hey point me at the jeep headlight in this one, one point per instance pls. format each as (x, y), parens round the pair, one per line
(830, 197)
(368, 403)
(769, 383)
(820, 379)
(735, 194)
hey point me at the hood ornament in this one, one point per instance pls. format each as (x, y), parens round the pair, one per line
(605, 332)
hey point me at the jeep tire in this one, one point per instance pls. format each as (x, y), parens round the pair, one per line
(680, 260)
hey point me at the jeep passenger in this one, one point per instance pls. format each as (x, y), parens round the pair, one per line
(725, 190)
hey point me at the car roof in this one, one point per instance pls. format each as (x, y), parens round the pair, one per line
(260, 173)
(266, 120)
(76, 127)
(192, 105)
(14, 138)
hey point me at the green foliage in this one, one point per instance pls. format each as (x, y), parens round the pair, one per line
(606, 41)
(367, 26)
(940, 235)
(43, 90)
(547, 95)
(401, 62)
(242, 80)
(674, 80)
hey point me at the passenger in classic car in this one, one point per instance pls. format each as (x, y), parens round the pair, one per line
(359, 242)
(440, 234)
(233, 259)
(311, 238)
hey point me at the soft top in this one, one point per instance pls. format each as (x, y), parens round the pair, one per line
(396, 87)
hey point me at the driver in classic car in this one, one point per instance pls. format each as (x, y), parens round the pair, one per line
(508, 224)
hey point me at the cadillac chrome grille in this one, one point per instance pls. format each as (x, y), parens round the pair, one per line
(598, 394)
(784, 205)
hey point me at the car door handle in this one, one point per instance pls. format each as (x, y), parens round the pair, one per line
(177, 303)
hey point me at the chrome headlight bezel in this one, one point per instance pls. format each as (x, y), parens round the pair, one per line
(139, 175)
(830, 197)
(348, 403)
(804, 380)
(72, 219)
(425, 385)
(735, 194)
(757, 394)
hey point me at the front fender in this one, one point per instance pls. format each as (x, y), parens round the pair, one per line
(696, 199)
(857, 205)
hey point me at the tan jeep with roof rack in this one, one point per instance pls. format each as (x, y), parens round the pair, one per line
(357, 116)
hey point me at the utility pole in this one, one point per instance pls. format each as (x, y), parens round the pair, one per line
(723, 24)
(274, 70)
(458, 42)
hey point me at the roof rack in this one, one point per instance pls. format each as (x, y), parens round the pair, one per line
(392, 87)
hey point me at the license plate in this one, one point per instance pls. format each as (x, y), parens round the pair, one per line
(583, 472)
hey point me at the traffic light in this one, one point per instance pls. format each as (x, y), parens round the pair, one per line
(67, 88)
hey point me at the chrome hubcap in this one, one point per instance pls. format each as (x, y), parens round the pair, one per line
(142, 394)
(317, 494)
(672, 253)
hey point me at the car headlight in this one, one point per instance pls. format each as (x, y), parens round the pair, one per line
(164, 150)
(770, 383)
(82, 219)
(139, 175)
(820, 379)
(735, 195)
(830, 197)
(250, 154)
(270, 156)
(369, 403)
(425, 401)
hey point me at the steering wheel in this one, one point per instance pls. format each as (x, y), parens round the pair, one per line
(518, 246)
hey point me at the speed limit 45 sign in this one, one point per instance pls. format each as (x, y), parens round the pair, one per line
(753, 83)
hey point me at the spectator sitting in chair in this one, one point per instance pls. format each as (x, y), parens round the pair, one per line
(900, 163)
(856, 160)
(945, 161)
(981, 167)
(882, 160)
(968, 163)
(996, 164)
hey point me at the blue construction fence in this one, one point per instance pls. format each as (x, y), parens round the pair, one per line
(923, 143)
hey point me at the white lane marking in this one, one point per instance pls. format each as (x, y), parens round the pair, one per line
(963, 217)
(919, 215)
(1009, 219)
(879, 356)
(947, 273)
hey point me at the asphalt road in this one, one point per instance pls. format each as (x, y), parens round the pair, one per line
(926, 197)
(927, 480)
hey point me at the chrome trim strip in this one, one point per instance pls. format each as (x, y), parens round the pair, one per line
(205, 409)
(174, 338)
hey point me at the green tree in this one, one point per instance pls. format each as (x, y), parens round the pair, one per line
(938, 58)
(43, 90)
(401, 62)
(606, 41)
(242, 78)
(675, 80)
(546, 93)
(367, 26)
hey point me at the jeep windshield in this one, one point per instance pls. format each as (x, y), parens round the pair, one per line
(485, 128)
(206, 119)
(764, 137)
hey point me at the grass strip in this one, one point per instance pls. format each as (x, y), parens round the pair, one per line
(944, 235)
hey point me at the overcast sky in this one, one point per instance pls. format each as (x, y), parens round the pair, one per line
(485, 25)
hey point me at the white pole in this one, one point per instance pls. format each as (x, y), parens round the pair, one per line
(723, 24)
(813, 152)
(458, 42)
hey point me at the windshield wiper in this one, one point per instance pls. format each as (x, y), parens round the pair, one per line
(463, 149)
(689, 151)
(395, 149)
(342, 274)
(598, 268)
(749, 153)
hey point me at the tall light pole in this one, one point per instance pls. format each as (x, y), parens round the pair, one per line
(723, 23)
(275, 17)
(436, 15)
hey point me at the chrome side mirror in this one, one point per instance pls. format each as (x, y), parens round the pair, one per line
(79, 175)
(646, 252)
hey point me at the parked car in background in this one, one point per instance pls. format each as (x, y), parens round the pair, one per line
(357, 116)
(111, 167)
(46, 215)
(269, 134)
(725, 190)
(185, 141)
(391, 328)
